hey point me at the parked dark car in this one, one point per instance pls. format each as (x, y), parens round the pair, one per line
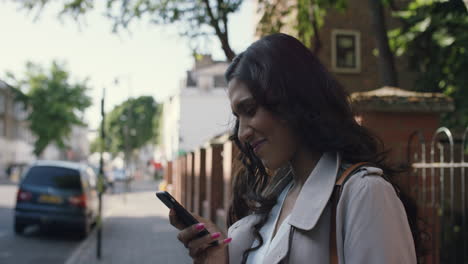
(57, 194)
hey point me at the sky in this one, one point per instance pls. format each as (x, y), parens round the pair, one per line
(148, 59)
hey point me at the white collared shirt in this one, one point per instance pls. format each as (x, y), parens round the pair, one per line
(266, 231)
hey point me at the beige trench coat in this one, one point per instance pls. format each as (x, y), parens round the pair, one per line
(371, 223)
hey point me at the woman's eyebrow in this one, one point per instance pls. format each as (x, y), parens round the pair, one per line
(240, 106)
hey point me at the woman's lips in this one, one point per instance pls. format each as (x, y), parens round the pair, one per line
(256, 145)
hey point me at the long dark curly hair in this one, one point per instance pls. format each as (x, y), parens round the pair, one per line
(289, 81)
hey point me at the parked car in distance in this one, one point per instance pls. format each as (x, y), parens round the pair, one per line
(58, 194)
(120, 175)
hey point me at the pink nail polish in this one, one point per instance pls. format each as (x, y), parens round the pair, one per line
(227, 240)
(215, 235)
(200, 226)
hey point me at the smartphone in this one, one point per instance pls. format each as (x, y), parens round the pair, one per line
(185, 217)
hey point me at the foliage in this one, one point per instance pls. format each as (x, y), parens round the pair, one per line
(195, 18)
(55, 104)
(434, 37)
(157, 126)
(129, 125)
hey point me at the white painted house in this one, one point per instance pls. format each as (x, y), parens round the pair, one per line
(198, 111)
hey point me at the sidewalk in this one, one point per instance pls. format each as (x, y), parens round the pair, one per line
(135, 230)
(6, 181)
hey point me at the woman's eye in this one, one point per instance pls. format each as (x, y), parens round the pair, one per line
(250, 111)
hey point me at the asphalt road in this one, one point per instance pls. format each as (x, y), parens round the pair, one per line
(35, 246)
(46, 246)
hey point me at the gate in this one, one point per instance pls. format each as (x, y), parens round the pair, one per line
(437, 183)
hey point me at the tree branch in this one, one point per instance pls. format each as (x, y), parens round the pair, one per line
(222, 36)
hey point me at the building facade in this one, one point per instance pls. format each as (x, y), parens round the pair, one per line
(15, 137)
(198, 111)
(348, 46)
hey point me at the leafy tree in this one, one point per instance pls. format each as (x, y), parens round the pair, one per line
(196, 17)
(157, 125)
(129, 126)
(55, 104)
(434, 37)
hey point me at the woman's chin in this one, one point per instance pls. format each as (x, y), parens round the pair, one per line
(272, 166)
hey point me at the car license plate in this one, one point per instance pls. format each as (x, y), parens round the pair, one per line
(52, 199)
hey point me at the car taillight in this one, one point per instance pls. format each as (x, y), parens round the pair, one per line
(23, 196)
(78, 201)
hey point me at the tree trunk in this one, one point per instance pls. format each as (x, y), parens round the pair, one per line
(317, 41)
(388, 74)
(230, 54)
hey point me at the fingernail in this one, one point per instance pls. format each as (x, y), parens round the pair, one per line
(227, 240)
(200, 226)
(215, 235)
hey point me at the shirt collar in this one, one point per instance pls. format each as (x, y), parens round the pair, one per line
(316, 192)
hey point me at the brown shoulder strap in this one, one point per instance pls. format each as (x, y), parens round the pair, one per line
(348, 171)
(334, 201)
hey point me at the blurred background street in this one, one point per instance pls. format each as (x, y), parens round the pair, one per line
(116, 99)
(136, 230)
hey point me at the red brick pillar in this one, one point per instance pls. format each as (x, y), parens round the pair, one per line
(394, 115)
(168, 173)
(183, 180)
(199, 180)
(190, 181)
(229, 154)
(177, 179)
(395, 129)
(214, 181)
(169, 176)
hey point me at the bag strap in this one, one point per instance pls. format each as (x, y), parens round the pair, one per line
(343, 178)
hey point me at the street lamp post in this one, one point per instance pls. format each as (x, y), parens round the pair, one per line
(101, 178)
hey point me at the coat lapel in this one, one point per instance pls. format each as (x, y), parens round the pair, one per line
(318, 185)
(307, 211)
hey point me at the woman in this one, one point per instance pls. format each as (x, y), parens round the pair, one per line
(293, 118)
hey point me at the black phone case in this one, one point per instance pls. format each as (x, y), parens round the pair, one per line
(184, 216)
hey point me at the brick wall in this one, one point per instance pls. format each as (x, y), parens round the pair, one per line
(395, 129)
(200, 180)
(214, 181)
(357, 17)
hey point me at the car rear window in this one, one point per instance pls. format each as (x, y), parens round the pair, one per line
(57, 177)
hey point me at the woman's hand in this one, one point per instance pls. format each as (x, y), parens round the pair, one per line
(200, 248)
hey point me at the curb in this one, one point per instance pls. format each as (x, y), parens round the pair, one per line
(83, 247)
(74, 258)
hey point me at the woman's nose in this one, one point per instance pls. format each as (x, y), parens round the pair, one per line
(245, 133)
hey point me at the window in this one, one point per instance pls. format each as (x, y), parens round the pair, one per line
(57, 177)
(191, 82)
(20, 111)
(346, 51)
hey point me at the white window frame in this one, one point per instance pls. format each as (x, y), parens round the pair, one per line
(357, 37)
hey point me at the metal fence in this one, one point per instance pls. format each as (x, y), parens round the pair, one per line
(437, 183)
